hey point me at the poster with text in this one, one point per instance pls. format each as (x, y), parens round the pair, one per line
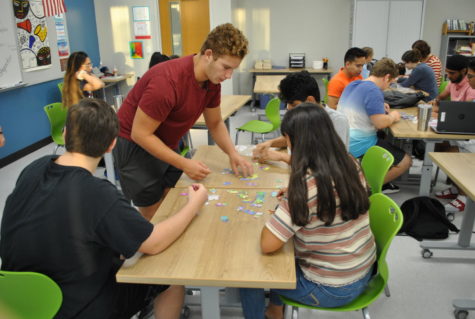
(32, 33)
(62, 40)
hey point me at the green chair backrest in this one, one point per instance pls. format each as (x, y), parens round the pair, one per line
(273, 112)
(376, 163)
(325, 82)
(385, 219)
(28, 295)
(60, 87)
(57, 118)
(443, 85)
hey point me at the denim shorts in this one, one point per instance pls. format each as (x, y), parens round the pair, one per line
(318, 295)
(307, 292)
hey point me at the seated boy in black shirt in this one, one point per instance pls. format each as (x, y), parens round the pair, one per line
(63, 222)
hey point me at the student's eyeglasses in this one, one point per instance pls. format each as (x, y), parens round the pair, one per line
(470, 76)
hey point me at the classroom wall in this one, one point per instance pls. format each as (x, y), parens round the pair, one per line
(280, 27)
(115, 30)
(437, 11)
(21, 111)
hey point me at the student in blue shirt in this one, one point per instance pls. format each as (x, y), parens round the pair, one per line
(422, 76)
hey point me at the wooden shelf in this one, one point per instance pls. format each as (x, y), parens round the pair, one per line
(445, 29)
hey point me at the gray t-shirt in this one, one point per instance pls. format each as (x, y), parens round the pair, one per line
(340, 122)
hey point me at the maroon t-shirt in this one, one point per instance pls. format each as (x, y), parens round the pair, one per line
(169, 93)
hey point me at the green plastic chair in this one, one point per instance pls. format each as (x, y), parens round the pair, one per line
(443, 85)
(255, 126)
(376, 163)
(56, 114)
(28, 295)
(325, 82)
(60, 87)
(386, 219)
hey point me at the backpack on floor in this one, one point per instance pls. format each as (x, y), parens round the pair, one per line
(424, 218)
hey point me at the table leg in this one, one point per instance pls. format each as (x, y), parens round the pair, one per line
(465, 234)
(109, 167)
(426, 173)
(210, 302)
(253, 102)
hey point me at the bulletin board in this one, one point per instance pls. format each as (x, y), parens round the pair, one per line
(36, 30)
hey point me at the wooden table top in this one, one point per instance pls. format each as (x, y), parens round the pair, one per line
(229, 105)
(212, 252)
(292, 70)
(460, 167)
(270, 175)
(268, 83)
(408, 129)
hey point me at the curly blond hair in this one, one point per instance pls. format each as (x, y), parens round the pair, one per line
(226, 39)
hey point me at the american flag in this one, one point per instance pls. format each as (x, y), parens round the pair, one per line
(53, 7)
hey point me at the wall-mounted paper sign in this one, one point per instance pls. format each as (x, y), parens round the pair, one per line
(142, 30)
(141, 13)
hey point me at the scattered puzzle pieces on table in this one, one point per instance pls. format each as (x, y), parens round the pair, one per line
(274, 194)
(213, 197)
(221, 204)
(226, 183)
(183, 194)
(213, 190)
(224, 219)
(260, 197)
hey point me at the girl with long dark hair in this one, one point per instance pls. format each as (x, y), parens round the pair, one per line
(79, 79)
(326, 211)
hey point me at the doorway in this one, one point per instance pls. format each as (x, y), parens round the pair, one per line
(184, 25)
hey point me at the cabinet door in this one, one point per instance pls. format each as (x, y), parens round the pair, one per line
(405, 23)
(389, 27)
(370, 24)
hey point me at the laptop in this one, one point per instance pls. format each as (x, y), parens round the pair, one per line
(455, 118)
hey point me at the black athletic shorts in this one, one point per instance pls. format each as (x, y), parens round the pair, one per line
(397, 153)
(143, 177)
(131, 298)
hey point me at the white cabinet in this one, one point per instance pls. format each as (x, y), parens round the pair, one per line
(389, 27)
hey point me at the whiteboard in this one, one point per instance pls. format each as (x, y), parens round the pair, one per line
(32, 77)
(10, 72)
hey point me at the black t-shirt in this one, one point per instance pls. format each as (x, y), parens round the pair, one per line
(71, 226)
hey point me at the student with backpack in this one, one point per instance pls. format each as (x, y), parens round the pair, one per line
(325, 209)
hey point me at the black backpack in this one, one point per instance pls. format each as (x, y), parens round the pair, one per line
(399, 100)
(424, 218)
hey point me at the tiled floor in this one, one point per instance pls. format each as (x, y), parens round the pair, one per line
(420, 288)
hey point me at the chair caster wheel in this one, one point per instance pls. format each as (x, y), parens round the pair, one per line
(460, 314)
(426, 253)
(451, 216)
(185, 312)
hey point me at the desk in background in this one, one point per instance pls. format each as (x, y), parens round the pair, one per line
(407, 129)
(278, 72)
(213, 254)
(229, 105)
(460, 167)
(113, 82)
(270, 175)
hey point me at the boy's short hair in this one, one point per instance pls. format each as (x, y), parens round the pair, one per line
(91, 126)
(369, 51)
(411, 56)
(354, 53)
(383, 67)
(297, 87)
(226, 39)
(471, 64)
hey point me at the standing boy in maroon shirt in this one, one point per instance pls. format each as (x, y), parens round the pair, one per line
(163, 106)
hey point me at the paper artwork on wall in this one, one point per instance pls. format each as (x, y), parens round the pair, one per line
(32, 34)
(136, 49)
